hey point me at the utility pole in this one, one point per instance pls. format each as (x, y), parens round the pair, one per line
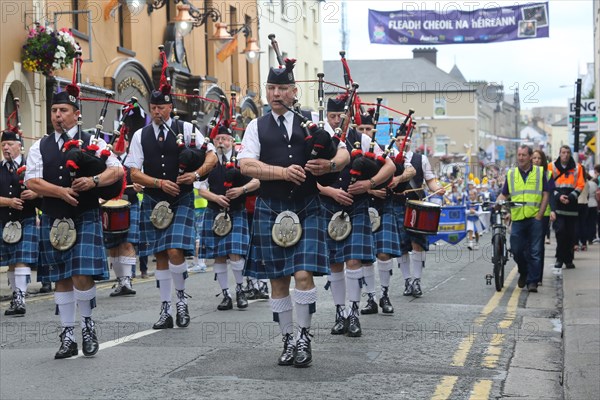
(344, 28)
(517, 102)
(576, 118)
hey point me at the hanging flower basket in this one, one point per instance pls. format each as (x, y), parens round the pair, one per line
(47, 50)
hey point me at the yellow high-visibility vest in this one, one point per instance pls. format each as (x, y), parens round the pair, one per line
(528, 192)
(199, 202)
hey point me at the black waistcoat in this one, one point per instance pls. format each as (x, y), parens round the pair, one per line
(275, 149)
(216, 183)
(162, 164)
(416, 182)
(57, 173)
(10, 187)
(129, 194)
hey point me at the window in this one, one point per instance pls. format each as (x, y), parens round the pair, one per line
(125, 41)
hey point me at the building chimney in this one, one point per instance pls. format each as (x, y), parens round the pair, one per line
(428, 53)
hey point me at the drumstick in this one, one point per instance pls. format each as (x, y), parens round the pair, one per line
(439, 190)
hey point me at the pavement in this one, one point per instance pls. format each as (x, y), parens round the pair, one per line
(558, 353)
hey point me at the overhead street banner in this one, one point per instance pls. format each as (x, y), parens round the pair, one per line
(449, 25)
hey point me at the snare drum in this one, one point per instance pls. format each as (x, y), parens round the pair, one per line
(422, 217)
(115, 216)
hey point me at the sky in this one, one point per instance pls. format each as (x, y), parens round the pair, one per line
(538, 66)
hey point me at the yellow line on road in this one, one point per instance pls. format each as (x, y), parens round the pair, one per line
(495, 300)
(460, 356)
(511, 309)
(444, 388)
(490, 360)
(481, 390)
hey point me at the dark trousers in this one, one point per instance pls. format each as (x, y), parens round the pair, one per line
(526, 245)
(582, 224)
(591, 223)
(565, 229)
(546, 222)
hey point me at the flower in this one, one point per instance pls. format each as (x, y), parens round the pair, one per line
(47, 50)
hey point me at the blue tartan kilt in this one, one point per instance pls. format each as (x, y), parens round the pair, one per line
(406, 237)
(236, 242)
(387, 238)
(86, 257)
(112, 240)
(270, 261)
(25, 250)
(178, 235)
(359, 245)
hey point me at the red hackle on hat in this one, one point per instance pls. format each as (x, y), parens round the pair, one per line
(164, 85)
(289, 64)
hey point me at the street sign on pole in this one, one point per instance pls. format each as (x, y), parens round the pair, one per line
(588, 120)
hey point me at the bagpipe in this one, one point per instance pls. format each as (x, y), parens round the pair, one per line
(190, 157)
(84, 162)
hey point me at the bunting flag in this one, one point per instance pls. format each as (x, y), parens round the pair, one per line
(227, 50)
(110, 8)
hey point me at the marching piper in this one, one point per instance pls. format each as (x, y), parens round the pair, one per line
(350, 237)
(288, 229)
(19, 249)
(72, 252)
(225, 233)
(167, 210)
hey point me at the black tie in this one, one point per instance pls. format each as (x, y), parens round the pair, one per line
(65, 138)
(282, 127)
(223, 159)
(8, 166)
(161, 137)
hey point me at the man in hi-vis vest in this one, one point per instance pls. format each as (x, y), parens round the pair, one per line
(569, 182)
(527, 184)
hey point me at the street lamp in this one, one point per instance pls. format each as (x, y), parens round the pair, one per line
(188, 14)
(223, 36)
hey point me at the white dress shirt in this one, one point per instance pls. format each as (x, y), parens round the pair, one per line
(251, 145)
(35, 166)
(136, 152)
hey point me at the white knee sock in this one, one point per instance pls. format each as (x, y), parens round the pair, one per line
(237, 267)
(164, 281)
(353, 282)
(369, 275)
(404, 263)
(337, 281)
(178, 274)
(127, 265)
(283, 314)
(22, 278)
(417, 259)
(221, 275)
(385, 272)
(65, 303)
(306, 305)
(86, 301)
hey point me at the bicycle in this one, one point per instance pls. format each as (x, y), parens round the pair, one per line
(500, 249)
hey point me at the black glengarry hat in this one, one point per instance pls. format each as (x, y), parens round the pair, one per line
(10, 135)
(65, 98)
(284, 75)
(336, 104)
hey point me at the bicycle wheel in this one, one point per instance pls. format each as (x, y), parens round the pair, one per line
(498, 260)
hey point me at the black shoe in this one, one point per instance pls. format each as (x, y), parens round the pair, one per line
(182, 317)
(263, 291)
(558, 264)
(341, 323)
(287, 355)
(17, 304)
(303, 356)
(385, 303)
(68, 348)
(123, 287)
(371, 306)
(165, 320)
(522, 280)
(251, 294)
(46, 287)
(89, 345)
(227, 303)
(353, 322)
(532, 287)
(408, 290)
(416, 288)
(240, 298)
(569, 265)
